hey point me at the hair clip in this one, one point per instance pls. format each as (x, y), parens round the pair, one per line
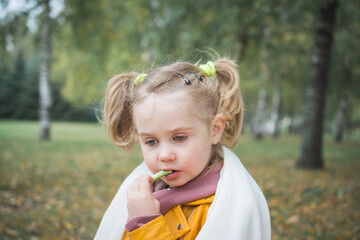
(186, 80)
(208, 68)
(200, 78)
(140, 78)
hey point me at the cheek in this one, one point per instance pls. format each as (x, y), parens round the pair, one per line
(150, 161)
(151, 165)
(195, 161)
(199, 154)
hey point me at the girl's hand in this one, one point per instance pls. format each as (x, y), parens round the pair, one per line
(140, 200)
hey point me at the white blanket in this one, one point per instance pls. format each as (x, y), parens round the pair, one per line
(239, 210)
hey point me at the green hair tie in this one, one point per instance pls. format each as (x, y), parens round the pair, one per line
(208, 68)
(140, 78)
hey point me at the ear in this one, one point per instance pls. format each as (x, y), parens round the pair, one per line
(217, 127)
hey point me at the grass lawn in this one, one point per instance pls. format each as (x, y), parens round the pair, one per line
(61, 189)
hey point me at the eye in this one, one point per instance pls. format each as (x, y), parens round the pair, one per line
(180, 138)
(151, 142)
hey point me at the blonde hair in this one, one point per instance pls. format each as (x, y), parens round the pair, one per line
(219, 94)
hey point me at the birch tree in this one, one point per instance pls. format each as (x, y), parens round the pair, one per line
(260, 116)
(44, 75)
(275, 108)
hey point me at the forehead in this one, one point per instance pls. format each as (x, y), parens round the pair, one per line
(176, 108)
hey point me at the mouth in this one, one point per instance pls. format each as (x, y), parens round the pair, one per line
(160, 174)
(174, 174)
(168, 169)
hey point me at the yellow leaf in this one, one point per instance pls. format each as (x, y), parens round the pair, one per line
(10, 232)
(68, 225)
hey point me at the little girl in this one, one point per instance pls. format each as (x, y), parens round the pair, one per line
(183, 116)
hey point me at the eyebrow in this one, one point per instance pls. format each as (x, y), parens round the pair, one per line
(170, 131)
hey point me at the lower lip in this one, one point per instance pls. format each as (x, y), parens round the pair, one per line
(173, 175)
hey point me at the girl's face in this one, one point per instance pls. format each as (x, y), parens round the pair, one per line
(173, 138)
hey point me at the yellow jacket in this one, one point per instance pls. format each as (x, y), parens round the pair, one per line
(181, 222)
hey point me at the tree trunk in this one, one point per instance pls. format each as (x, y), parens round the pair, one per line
(311, 145)
(260, 115)
(44, 87)
(259, 121)
(341, 120)
(341, 113)
(244, 40)
(275, 110)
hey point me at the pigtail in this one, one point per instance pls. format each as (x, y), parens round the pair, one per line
(117, 113)
(230, 102)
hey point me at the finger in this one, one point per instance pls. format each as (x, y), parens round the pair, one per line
(134, 186)
(130, 190)
(149, 178)
(145, 184)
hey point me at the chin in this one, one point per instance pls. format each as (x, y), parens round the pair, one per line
(176, 183)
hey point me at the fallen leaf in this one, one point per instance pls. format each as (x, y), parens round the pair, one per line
(293, 219)
(10, 232)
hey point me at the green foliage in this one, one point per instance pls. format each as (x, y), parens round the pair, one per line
(94, 40)
(19, 93)
(346, 54)
(61, 189)
(19, 97)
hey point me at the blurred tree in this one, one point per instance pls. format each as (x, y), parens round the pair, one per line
(44, 75)
(92, 43)
(281, 53)
(94, 40)
(6, 91)
(12, 74)
(18, 79)
(19, 72)
(341, 112)
(260, 116)
(344, 84)
(311, 146)
(275, 107)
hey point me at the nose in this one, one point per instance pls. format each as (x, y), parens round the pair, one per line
(166, 154)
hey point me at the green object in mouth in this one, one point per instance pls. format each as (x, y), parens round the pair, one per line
(160, 174)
